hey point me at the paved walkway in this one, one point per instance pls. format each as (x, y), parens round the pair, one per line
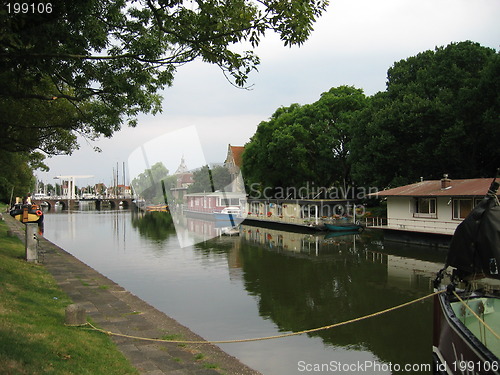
(114, 309)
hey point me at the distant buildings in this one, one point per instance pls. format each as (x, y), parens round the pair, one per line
(100, 189)
(233, 162)
(184, 179)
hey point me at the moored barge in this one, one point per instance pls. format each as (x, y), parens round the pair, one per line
(466, 336)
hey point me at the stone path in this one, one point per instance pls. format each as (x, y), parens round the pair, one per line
(115, 309)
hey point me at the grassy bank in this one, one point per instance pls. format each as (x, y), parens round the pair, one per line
(33, 337)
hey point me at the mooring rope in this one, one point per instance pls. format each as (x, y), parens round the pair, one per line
(477, 316)
(275, 336)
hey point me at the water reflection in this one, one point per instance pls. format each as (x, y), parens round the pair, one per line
(307, 281)
(263, 281)
(157, 226)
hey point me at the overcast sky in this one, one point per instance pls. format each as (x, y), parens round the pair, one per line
(354, 43)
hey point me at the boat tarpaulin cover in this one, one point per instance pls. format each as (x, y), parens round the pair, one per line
(475, 247)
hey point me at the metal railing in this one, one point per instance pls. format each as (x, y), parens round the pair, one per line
(428, 226)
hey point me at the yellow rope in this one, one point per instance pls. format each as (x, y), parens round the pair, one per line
(276, 336)
(477, 316)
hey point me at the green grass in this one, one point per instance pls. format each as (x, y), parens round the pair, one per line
(33, 337)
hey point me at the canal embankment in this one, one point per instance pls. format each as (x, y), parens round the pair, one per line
(114, 309)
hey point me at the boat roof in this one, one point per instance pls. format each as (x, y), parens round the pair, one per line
(430, 188)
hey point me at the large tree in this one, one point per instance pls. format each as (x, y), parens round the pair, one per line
(304, 145)
(16, 174)
(439, 114)
(152, 184)
(89, 66)
(208, 179)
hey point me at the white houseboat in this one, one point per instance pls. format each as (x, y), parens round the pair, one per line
(298, 213)
(432, 207)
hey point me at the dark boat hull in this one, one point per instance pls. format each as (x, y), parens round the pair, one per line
(343, 227)
(456, 350)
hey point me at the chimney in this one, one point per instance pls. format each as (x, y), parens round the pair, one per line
(445, 182)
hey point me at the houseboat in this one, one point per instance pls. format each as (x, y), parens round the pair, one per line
(429, 211)
(467, 312)
(216, 205)
(307, 214)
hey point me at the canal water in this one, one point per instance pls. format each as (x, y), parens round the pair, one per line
(265, 282)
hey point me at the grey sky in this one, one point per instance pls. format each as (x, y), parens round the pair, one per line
(354, 43)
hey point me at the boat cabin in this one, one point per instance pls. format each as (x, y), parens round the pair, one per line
(297, 211)
(213, 202)
(432, 206)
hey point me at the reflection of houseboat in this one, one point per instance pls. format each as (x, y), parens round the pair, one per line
(467, 321)
(27, 212)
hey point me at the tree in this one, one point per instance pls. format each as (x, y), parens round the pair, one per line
(71, 68)
(304, 145)
(16, 176)
(439, 114)
(208, 179)
(151, 183)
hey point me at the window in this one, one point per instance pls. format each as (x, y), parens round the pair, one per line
(461, 208)
(230, 201)
(425, 207)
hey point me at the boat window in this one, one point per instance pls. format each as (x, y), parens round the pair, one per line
(230, 201)
(461, 208)
(425, 207)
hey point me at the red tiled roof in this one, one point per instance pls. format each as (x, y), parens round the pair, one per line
(185, 178)
(237, 154)
(469, 187)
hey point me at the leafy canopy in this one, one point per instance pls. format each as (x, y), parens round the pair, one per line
(304, 144)
(208, 179)
(89, 66)
(440, 114)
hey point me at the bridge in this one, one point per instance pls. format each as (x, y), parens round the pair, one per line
(66, 203)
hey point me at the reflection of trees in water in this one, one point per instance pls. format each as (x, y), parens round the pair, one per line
(218, 246)
(157, 226)
(300, 292)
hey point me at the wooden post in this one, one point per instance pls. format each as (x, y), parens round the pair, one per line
(75, 315)
(31, 242)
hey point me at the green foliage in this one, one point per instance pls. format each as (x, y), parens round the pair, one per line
(439, 114)
(16, 174)
(88, 67)
(149, 184)
(209, 179)
(304, 144)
